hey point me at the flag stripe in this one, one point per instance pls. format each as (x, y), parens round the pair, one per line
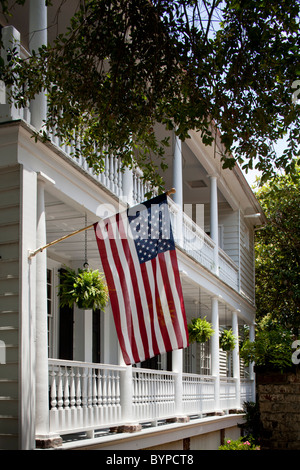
(131, 280)
(155, 338)
(177, 283)
(160, 331)
(161, 304)
(133, 334)
(171, 296)
(104, 250)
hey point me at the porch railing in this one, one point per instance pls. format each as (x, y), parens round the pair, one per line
(192, 238)
(86, 396)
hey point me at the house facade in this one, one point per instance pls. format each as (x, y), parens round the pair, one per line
(63, 381)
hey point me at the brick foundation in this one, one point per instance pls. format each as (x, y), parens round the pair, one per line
(279, 404)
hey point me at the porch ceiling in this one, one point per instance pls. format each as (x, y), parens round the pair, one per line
(61, 220)
(198, 303)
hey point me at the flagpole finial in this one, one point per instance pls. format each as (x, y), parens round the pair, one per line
(171, 191)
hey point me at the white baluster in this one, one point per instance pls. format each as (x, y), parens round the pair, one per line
(89, 390)
(66, 389)
(53, 395)
(109, 397)
(111, 173)
(94, 398)
(113, 395)
(99, 389)
(84, 398)
(72, 390)
(104, 396)
(118, 401)
(78, 388)
(60, 390)
(120, 178)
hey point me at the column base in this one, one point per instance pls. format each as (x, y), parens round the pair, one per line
(216, 413)
(178, 419)
(124, 428)
(48, 442)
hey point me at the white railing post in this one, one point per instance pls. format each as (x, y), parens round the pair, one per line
(126, 395)
(126, 400)
(215, 355)
(177, 367)
(251, 365)
(236, 359)
(177, 364)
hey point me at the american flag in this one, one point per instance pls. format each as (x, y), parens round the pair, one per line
(138, 255)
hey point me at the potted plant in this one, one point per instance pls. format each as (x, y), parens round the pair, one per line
(86, 288)
(200, 330)
(227, 340)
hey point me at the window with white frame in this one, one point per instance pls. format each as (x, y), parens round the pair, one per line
(197, 359)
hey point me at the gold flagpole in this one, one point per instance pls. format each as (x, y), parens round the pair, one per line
(42, 248)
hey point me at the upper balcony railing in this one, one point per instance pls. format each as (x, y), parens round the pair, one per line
(200, 246)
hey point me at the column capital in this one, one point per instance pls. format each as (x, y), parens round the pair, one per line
(214, 175)
(43, 178)
(236, 311)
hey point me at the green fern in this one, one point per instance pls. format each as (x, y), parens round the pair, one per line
(227, 340)
(200, 330)
(86, 288)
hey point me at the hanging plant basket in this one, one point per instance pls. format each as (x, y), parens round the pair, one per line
(200, 330)
(227, 340)
(86, 288)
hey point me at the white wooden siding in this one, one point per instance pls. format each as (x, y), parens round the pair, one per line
(9, 304)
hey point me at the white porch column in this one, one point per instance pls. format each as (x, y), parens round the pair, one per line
(177, 355)
(251, 365)
(214, 225)
(43, 437)
(37, 38)
(177, 184)
(215, 359)
(42, 406)
(236, 359)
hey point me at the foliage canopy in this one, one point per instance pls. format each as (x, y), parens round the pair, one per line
(277, 252)
(123, 66)
(277, 249)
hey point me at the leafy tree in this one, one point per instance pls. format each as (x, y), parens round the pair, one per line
(125, 65)
(278, 252)
(272, 347)
(277, 249)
